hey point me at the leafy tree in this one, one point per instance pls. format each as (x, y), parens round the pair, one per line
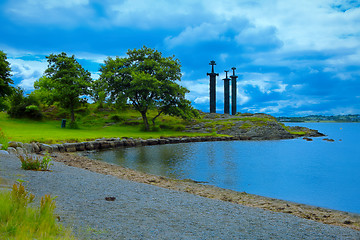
(149, 81)
(66, 81)
(23, 106)
(5, 80)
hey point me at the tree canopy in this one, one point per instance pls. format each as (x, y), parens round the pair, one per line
(5, 76)
(148, 81)
(65, 81)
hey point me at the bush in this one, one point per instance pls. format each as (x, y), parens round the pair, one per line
(23, 107)
(20, 221)
(30, 162)
(73, 125)
(117, 118)
(4, 141)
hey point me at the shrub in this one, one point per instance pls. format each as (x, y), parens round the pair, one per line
(19, 220)
(23, 107)
(73, 125)
(4, 140)
(31, 162)
(33, 112)
(117, 118)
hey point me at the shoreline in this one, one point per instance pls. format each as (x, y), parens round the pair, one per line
(327, 216)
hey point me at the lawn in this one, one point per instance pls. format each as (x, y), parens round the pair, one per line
(50, 131)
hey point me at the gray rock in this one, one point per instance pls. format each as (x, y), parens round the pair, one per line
(80, 146)
(21, 151)
(4, 152)
(28, 147)
(89, 146)
(104, 145)
(13, 144)
(45, 148)
(36, 148)
(11, 150)
(70, 147)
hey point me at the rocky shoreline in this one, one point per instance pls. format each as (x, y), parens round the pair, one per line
(323, 215)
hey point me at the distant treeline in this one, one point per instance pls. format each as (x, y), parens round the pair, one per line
(321, 118)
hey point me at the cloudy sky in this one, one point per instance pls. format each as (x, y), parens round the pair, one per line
(292, 57)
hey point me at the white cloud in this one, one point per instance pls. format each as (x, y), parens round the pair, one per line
(266, 82)
(28, 71)
(202, 100)
(28, 83)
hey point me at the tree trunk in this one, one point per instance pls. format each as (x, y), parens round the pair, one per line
(153, 120)
(146, 122)
(72, 115)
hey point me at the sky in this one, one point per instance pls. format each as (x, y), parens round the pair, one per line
(292, 58)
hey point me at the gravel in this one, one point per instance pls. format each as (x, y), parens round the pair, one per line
(142, 211)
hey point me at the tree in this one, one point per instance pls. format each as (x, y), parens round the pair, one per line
(5, 80)
(148, 81)
(23, 106)
(66, 80)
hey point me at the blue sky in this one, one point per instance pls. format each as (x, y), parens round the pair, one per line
(293, 57)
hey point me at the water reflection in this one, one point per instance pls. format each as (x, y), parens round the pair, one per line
(318, 173)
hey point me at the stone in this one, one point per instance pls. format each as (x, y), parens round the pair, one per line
(20, 151)
(4, 152)
(55, 147)
(119, 143)
(45, 148)
(89, 146)
(104, 145)
(152, 141)
(80, 146)
(13, 144)
(70, 147)
(12, 150)
(36, 148)
(29, 147)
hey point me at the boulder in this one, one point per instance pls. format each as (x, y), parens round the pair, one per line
(29, 147)
(89, 146)
(11, 150)
(4, 152)
(45, 148)
(60, 147)
(20, 151)
(152, 141)
(70, 147)
(119, 143)
(36, 148)
(104, 145)
(137, 142)
(80, 146)
(13, 144)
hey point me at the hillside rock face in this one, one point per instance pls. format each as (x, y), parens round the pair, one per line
(249, 126)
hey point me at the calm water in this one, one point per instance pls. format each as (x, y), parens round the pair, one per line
(319, 173)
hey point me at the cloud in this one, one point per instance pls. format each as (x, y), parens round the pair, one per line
(25, 72)
(208, 31)
(64, 14)
(291, 56)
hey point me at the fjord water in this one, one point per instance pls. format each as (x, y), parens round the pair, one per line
(318, 172)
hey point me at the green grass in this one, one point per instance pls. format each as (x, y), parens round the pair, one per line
(19, 220)
(50, 131)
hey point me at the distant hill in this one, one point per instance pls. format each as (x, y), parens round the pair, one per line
(321, 118)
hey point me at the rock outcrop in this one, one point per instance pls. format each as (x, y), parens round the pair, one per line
(249, 126)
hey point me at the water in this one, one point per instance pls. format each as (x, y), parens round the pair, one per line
(319, 173)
